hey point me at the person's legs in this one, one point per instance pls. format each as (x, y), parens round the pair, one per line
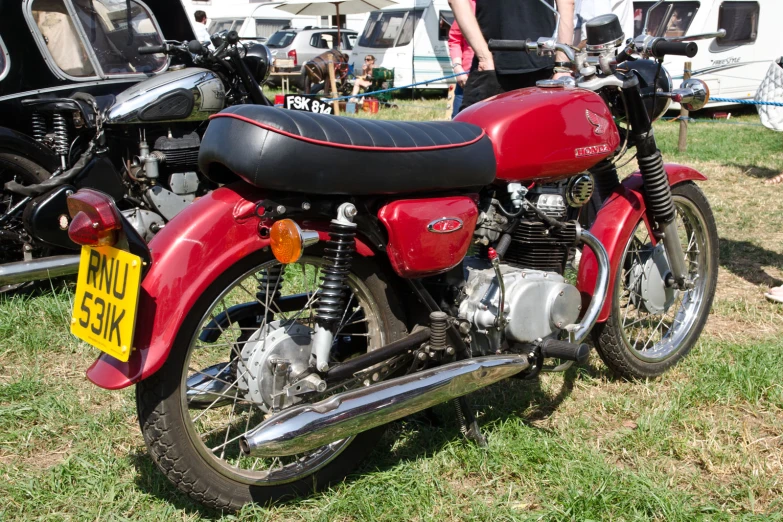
(480, 86)
(458, 94)
(774, 181)
(485, 84)
(510, 82)
(775, 294)
(358, 84)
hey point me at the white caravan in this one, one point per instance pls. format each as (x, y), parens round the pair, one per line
(732, 66)
(263, 20)
(410, 37)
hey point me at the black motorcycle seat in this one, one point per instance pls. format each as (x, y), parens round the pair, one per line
(287, 150)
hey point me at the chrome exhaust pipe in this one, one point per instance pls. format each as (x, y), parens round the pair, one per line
(37, 269)
(309, 426)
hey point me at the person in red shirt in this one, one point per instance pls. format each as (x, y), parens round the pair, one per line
(502, 71)
(461, 55)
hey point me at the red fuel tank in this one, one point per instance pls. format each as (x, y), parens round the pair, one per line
(545, 133)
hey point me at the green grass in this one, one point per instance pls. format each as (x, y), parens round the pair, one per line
(704, 442)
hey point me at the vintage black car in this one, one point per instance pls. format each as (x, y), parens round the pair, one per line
(54, 48)
(92, 94)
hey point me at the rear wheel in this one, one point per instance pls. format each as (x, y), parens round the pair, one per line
(652, 326)
(219, 380)
(13, 236)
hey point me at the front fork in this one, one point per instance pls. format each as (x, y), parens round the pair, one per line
(657, 192)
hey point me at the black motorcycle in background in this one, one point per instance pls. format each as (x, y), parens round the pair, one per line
(140, 147)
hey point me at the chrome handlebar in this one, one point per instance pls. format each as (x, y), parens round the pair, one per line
(720, 33)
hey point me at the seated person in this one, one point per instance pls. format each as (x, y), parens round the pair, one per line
(365, 80)
(63, 41)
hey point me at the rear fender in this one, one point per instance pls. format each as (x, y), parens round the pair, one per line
(614, 224)
(191, 251)
(13, 141)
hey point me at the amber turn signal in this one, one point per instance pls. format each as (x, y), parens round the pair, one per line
(288, 241)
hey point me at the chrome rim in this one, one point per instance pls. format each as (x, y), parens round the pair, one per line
(215, 428)
(655, 323)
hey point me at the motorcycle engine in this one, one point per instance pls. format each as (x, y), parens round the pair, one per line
(537, 303)
(175, 160)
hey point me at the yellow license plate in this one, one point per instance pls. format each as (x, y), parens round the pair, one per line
(107, 293)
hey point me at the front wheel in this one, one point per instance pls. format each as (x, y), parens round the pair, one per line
(223, 378)
(652, 326)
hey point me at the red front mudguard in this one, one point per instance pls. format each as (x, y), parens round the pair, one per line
(201, 243)
(615, 223)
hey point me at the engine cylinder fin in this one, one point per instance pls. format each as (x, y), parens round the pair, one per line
(537, 247)
(182, 157)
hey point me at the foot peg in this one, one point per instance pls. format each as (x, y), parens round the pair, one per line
(554, 349)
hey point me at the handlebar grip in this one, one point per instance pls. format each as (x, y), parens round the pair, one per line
(153, 49)
(661, 48)
(507, 45)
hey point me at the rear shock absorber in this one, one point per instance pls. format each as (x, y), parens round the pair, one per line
(61, 142)
(269, 282)
(39, 126)
(331, 300)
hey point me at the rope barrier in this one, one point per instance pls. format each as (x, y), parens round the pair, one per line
(705, 120)
(391, 89)
(360, 95)
(746, 102)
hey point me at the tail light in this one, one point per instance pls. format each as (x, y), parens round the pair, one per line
(95, 220)
(292, 56)
(288, 240)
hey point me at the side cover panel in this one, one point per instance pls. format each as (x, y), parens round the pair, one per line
(615, 223)
(188, 255)
(428, 236)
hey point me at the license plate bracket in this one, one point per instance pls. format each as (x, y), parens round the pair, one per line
(106, 300)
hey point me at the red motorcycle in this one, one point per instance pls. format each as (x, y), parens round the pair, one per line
(353, 272)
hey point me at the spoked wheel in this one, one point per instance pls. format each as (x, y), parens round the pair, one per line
(13, 236)
(240, 358)
(653, 326)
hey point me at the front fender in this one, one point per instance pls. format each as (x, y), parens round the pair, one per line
(614, 224)
(191, 251)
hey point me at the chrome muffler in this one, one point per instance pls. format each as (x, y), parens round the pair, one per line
(309, 426)
(37, 269)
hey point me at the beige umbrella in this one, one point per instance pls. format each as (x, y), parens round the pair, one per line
(329, 7)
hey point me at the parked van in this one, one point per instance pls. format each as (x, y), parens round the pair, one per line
(250, 21)
(262, 21)
(410, 37)
(732, 66)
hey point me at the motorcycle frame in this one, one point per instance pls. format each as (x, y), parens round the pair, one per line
(223, 227)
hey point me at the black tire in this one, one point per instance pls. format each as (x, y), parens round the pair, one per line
(163, 422)
(27, 172)
(612, 343)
